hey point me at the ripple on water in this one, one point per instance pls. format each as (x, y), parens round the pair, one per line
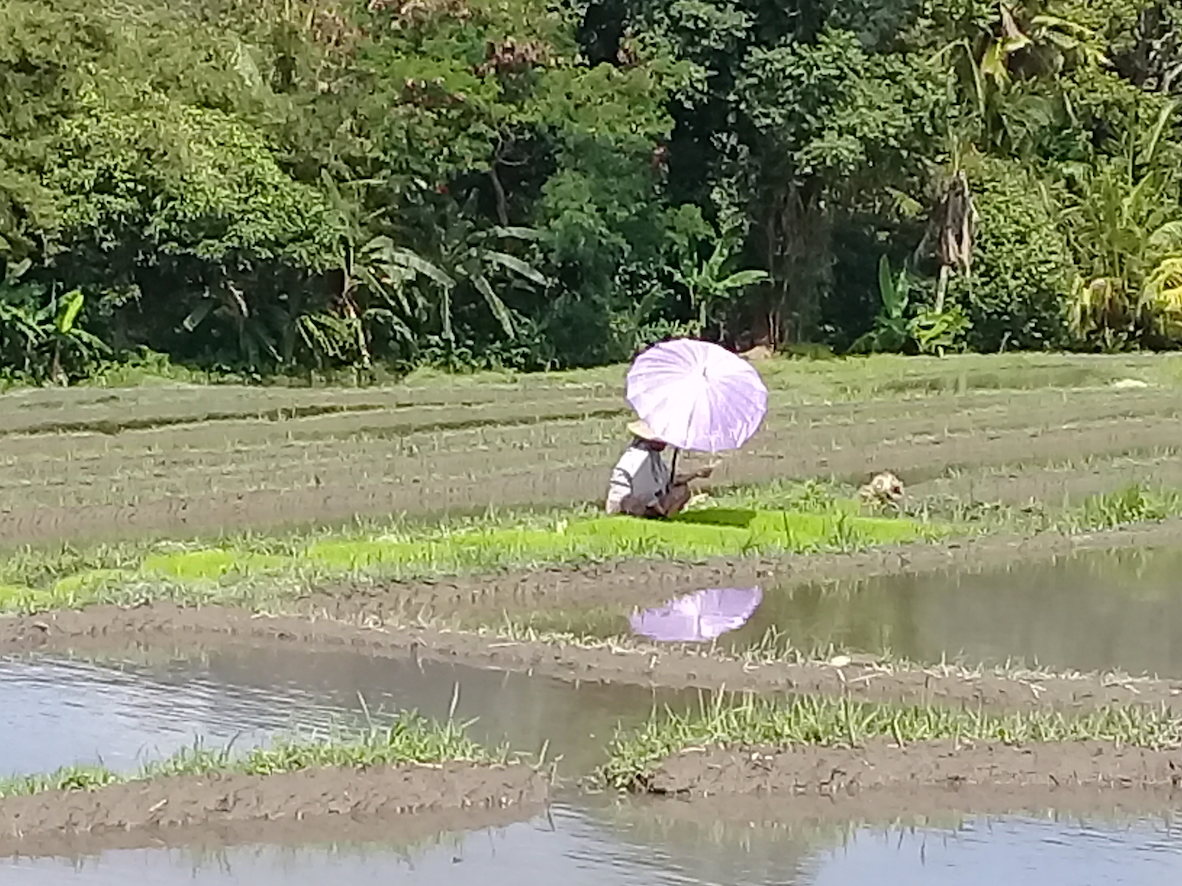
(578, 847)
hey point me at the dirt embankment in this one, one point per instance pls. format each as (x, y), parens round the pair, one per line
(962, 769)
(297, 806)
(166, 625)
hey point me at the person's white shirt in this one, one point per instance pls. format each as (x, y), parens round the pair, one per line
(640, 472)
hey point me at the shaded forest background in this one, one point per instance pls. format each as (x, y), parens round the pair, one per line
(274, 186)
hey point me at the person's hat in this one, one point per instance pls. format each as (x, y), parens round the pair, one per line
(641, 429)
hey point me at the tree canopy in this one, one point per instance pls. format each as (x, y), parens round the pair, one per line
(278, 185)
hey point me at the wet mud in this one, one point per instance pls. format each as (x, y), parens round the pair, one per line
(306, 806)
(166, 625)
(948, 768)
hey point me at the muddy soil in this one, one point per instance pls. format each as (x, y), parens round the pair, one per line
(837, 774)
(259, 502)
(168, 626)
(397, 831)
(223, 476)
(297, 807)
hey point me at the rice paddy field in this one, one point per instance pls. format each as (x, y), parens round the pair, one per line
(96, 464)
(262, 624)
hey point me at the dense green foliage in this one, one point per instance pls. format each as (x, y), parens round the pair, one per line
(290, 184)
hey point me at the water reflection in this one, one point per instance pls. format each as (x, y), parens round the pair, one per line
(57, 711)
(697, 617)
(580, 848)
(1093, 611)
(1020, 852)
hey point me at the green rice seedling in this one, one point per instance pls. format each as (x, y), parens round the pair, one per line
(40, 567)
(401, 550)
(68, 778)
(210, 563)
(411, 739)
(698, 535)
(759, 721)
(1133, 504)
(14, 598)
(844, 535)
(812, 496)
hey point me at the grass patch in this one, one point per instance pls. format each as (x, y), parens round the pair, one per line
(412, 739)
(1133, 504)
(760, 721)
(1136, 503)
(731, 527)
(695, 536)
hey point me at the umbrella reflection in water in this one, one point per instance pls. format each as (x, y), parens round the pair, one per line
(697, 617)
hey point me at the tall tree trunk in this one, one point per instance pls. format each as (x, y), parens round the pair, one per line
(942, 287)
(797, 254)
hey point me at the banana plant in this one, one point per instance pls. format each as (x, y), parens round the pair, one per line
(20, 331)
(891, 330)
(937, 331)
(66, 337)
(374, 289)
(465, 255)
(1019, 42)
(1124, 228)
(710, 283)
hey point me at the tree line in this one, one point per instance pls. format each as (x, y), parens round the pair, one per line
(270, 186)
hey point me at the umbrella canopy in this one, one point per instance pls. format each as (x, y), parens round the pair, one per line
(702, 615)
(697, 395)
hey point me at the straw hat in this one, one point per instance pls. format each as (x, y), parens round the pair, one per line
(641, 429)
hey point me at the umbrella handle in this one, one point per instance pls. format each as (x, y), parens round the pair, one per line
(673, 469)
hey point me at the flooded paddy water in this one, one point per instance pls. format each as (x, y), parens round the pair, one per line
(126, 707)
(583, 848)
(125, 710)
(1094, 611)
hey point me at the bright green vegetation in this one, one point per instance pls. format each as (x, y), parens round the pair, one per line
(291, 186)
(412, 739)
(1127, 506)
(760, 721)
(1134, 504)
(754, 521)
(278, 567)
(719, 533)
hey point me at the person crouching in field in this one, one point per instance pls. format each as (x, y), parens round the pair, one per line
(641, 485)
